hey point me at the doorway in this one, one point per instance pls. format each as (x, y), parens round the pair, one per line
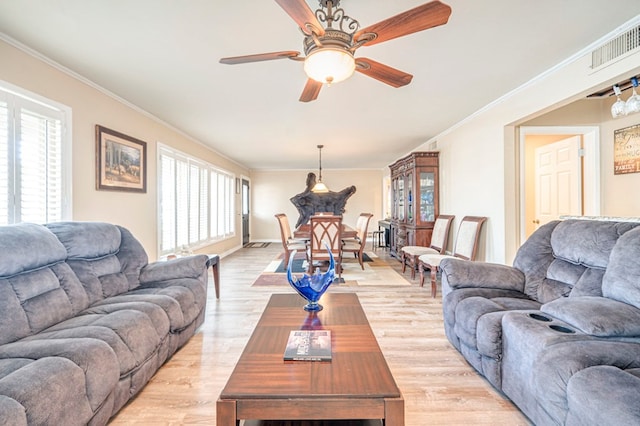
(559, 174)
(245, 212)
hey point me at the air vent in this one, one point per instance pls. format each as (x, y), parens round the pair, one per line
(617, 47)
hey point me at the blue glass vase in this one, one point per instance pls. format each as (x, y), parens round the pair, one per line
(312, 287)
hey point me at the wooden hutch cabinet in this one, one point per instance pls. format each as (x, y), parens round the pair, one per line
(414, 195)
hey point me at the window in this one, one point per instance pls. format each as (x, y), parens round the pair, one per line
(196, 202)
(35, 158)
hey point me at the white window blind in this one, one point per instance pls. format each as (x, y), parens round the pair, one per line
(35, 169)
(196, 205)
(4, 163)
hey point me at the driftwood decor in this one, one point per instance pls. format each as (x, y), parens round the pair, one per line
(308, 202)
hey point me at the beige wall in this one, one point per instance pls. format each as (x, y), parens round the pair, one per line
(272, 190)
(480, 161)
(135, 211)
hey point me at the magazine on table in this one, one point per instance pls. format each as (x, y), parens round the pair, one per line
(308, 345)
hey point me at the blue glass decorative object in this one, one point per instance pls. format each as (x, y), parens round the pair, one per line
(312, 287)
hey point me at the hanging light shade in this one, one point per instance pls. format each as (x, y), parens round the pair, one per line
(329, 65)
(319, 186)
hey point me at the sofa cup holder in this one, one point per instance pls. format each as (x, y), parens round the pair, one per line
(539, 317)
(561, 329)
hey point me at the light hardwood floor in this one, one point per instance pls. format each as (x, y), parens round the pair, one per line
(439, 387)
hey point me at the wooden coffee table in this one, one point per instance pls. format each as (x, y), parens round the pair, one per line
(355, 384)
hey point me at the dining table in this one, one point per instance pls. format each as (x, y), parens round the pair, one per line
(303, 232)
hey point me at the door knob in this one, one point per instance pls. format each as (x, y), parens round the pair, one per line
(536, 221)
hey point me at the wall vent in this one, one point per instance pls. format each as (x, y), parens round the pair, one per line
(615, 48)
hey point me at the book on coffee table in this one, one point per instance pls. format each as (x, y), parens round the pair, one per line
(308, 345)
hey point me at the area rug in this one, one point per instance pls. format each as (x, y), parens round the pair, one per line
(376, 272)
(257, 245)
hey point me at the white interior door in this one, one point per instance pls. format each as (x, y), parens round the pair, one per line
(558, 181)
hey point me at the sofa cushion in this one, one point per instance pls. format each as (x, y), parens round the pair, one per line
(87, 240)
(12, 413)
(621, 281)
(132, 257)
(596, 316)
(587, 242)
(534, 257)
(83, 370)
(50, 391)
(28, 246)
(93, 249)
(39, 289)
(133, 334)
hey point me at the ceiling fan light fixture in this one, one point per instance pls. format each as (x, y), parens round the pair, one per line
(329, 65)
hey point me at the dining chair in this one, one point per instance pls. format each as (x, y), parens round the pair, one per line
(466, 247)
(439, 240)
(356, 245)
(326, 231)
(288, 242)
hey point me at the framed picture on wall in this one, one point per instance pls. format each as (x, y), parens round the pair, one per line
(626, 150)
(121, 161)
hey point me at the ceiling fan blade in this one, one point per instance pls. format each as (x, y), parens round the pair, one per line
(310, 91)
(302, 14)
(260, 57)
(419, 18)
(383, 73)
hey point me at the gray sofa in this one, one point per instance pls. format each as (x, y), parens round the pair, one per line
(559, 332)
(86, 321)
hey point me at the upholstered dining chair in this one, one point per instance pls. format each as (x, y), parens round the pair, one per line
(325, 229)
(439, 240)
(288, 242)
(356, 245)
(466, 247)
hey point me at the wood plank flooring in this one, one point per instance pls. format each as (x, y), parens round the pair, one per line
(438, 386)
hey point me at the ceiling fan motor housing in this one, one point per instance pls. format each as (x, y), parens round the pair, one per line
(331, 38)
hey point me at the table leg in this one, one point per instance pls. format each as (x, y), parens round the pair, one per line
(226, 413)
(394, 412)
(216, 279)
(214, 262)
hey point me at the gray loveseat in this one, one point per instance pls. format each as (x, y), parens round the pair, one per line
(559, 332)
(86, 321)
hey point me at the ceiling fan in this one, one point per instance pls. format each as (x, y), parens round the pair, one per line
(329, 50)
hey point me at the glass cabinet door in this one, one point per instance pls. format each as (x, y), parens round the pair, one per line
(410, 198)
(401, 198)
(394, 198)
(427, 197)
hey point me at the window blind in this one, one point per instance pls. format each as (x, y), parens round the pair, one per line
(34, 159)
(196, 205)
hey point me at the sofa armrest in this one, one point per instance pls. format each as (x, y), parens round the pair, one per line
(460, 273)
(596, 316)
(183, 267)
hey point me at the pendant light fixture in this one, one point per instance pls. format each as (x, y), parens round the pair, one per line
(320, 187)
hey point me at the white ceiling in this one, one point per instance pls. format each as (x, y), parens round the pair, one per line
(162, 55)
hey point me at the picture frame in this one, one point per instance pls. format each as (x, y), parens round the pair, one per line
(626, 150)
(121, 162)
